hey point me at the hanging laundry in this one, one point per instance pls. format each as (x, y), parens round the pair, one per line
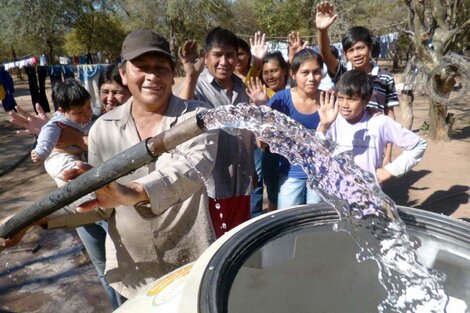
(67, 71)
(43, 60)
(55, 75)
(387, 43)
(64, 60)
(8, 100)
(82, 59)
(89, 74)
(20, 63)
(37, 86)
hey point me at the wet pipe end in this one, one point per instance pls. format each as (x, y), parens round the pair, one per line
(176, 135)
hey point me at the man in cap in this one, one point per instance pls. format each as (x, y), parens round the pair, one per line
(160, 219)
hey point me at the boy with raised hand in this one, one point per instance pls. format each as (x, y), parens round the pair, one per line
(357, 47)
(366, 135)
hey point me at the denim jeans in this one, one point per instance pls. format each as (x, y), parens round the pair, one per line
(294, 191)
(93, 237)
(257, 193)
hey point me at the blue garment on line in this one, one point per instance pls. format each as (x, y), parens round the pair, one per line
(67, 71)
(88, 72)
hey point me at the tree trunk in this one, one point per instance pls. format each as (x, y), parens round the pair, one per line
(51, 51)
(440, 121)
(18, 70)
(406, 108)
(437, 121)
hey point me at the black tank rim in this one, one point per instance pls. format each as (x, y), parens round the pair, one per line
(224, 265)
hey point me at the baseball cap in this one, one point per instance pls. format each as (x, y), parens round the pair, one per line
(142, 41)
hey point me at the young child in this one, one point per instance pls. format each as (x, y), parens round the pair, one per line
(74, 109)
(366, 135)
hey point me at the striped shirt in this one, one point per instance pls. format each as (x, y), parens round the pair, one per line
(384, 94)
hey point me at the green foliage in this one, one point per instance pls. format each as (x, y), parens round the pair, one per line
(81, 26)
(279, 18)
(96, 31)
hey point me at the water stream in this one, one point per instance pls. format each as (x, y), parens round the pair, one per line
(365, 212)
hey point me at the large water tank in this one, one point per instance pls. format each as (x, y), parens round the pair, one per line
(292, 261)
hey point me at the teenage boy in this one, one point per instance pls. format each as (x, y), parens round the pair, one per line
(366, 135)
(231, 181)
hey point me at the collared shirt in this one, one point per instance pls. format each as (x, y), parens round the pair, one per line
(384, 94)
(176, 229)
(234, 166)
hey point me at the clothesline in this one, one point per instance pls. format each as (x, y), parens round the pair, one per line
(315, 36)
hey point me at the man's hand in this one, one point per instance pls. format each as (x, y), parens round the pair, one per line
(31, 124)
(325, 15)
(109, 196)
(193, 63)
(14, 240)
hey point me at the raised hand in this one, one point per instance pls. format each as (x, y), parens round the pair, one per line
(295, 44)
(325, 15)
(328, 110)
(193, 62)
(31, 124)
(256, 90)
(258, 48)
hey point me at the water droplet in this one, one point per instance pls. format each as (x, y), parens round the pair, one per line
(217, 206)
(221, 216)
(224, 226)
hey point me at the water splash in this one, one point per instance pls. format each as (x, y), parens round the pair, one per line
(365, 212)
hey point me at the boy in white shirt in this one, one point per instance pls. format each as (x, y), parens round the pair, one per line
(366, 135)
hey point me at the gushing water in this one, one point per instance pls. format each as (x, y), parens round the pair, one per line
(365, 212)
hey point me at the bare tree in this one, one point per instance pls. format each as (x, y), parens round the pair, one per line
(438, 28)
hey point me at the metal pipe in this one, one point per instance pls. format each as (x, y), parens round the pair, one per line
(114, 168)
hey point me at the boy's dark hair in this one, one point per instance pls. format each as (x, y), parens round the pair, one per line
(305, 55)
(220, 37)
(277, 56)
(356, 83)
(109, 74)
(245, 47)
(356, 34)
(69, 93)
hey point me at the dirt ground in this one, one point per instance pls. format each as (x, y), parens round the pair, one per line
(59, 277)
